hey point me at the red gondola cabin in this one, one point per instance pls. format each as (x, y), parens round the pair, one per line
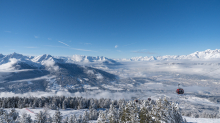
(180, 91)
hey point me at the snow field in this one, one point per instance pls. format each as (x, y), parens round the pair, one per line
(201, 120)
(65, 113)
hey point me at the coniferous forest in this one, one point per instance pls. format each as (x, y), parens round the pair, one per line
(113, 111)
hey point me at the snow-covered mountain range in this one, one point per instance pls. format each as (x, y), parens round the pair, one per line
(41, 59)
(20, 73)
(207, 54)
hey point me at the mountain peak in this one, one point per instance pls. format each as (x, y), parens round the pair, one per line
(41, 58)
(207, 54)
(1, 55)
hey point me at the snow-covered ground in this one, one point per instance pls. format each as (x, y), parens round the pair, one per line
(69, 112)
(201, 120)
(64, 113)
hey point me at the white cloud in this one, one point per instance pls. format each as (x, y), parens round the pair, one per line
(92, 94)
(36, 36)
(99, 76)
(50, 65)
(116, 46)
(63, 43)
(8, 66)
(34, 79)
(90, 72)
(49, 38)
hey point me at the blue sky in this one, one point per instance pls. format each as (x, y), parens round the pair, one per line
(111, 28)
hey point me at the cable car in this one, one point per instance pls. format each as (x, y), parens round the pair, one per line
(179, 90)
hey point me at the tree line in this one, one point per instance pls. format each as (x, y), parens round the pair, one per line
(102, 110)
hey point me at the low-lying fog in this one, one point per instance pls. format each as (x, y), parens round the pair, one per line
(199, 79)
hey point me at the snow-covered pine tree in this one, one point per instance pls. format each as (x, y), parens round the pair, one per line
(3, 103)
(72, 119)
(46, 111)
(75, 119)
(20, 104)
(144, 113)
(66, 120)
(2, 120)
(113, 115)
(40, 104)
(53, 106)
(13, 114)
(93, 105)
(49, 119)
(34, 105)
(134, 116)
(2, 111)
(102, 117)
(40, 117)
(85, 117)
(163, 111)
(23, 117)
(28, 119)
(125, 114)
(30, 104)
(79, 120)
(93, 114)
(107, 103)
(64, 104)
(6, 117)
(57, 118)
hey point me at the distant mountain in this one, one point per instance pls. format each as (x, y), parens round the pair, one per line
(207, 54)
(41, 59)
(20, 73)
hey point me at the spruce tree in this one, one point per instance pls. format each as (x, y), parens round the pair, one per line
(72, 119)
(113, 115)
(66, 120)
(57, 118)
(85, 118)
(40, 117)
(13, 114)
(28, 119)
